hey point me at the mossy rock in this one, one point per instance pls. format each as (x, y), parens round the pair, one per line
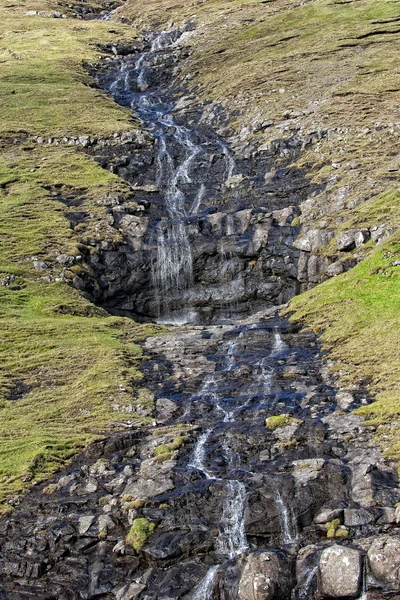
(278, 421)
(139, 532)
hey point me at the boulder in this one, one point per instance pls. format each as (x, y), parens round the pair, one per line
(384, 560)
(314, 239)
(340, 572)
(267, 575)
(346, 240)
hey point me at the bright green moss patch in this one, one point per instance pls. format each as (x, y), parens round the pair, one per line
(139, 532)
(358, 315)
(278, 421)
(164, 452)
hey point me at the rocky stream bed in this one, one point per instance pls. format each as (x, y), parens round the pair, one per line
(256, 481)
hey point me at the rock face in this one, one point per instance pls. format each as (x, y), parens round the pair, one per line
(235, 235)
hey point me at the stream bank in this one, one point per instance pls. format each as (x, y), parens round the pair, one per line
(255, 481)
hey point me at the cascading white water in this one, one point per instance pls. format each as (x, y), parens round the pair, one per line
(198, 200)
(289, 533)
(230, 225)
(232, 537)
(203, 590)
(173, 270)
(304, 591)
(199, 455)
(279, 345)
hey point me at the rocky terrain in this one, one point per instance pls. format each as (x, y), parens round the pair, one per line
(175, 436)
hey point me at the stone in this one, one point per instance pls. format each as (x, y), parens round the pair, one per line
(340, 572)
(130, 591)
(234, 181)
(85, 523)
(346, 240)
(65, 260)
(344, 400)
(354, 517)
(361, 237)
(314, 238)
(165, 409)
(335, 268)
(384, 560)
(328, 514)
(39, 265)
(267, 575)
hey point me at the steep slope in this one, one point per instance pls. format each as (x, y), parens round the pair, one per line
(258, 162)
(64, 362)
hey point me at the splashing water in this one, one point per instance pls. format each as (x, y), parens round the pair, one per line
(288, 530)
(199, 455)
(172, 272)
(232, 537)
(229, 162)
(304, 592)
(278, 345)
(203, 590)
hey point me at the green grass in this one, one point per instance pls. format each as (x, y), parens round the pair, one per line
(43, 85)
(63, 361)
(358, 317)
(69, 357)
(139, 532)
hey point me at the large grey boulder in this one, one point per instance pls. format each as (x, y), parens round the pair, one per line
(267, 575)
(340, 571)
(384, 560)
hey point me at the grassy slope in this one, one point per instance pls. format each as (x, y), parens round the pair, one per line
(62, 361)
(246, 53)
(336, 65)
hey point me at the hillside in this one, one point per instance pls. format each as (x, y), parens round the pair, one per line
(198, 164)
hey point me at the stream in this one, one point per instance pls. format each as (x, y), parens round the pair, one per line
(255, 481)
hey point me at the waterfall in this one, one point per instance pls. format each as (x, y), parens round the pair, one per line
(232, 537)
(364, 585)
(278, 345)
(172, 271)
(230, 225)
(232, 348)
(204, 589)
(199, 454)
(304, 592)
(198, 200)
(288, 529)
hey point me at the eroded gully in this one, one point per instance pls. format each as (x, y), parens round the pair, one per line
(256, 481)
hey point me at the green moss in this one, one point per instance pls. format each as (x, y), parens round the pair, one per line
(139, 532)
(278, 421)
(342, 533)
(332, 527)
(50, 489)
(164, 452)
